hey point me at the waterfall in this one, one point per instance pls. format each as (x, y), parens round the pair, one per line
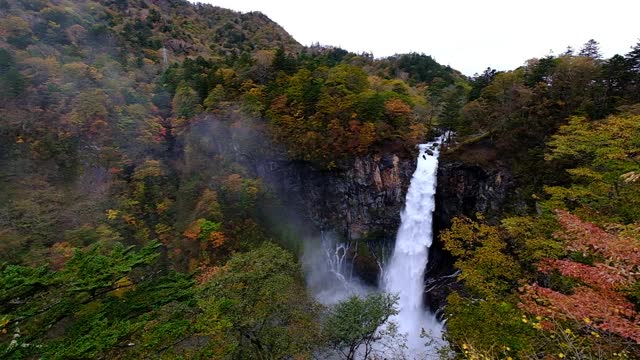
(165, 57)
(404, 274)
(329, 270)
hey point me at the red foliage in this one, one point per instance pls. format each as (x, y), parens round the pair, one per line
(600, 275)
(588, 238)
(605, 310)
(598, 302)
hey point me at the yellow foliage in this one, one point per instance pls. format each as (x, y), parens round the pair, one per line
(123, 285)
(150, 168)
(164, 205)
(480, 251)
(208, 206)
(4, 320)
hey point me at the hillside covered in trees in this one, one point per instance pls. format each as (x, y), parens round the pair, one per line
(127, 231)
(560, 278)
(123, 234)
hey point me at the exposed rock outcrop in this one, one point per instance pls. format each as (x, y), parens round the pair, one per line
(464, 190)
(360, 202)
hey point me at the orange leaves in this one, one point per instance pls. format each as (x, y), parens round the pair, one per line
(233, 182)
(397, 108)
(417, 134)
(193, 231)
(208, 272)
(206, 231)
(398, 111)
(356, 138)
(217, 238)
(360, 136)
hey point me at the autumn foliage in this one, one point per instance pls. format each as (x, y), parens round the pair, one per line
(598, 300)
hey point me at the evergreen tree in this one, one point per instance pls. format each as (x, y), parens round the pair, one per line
(591, 49)
(452, 103)
(480, 81)
(633, 57)
(633, 62)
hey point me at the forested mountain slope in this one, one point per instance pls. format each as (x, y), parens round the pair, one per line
(126, 232)
(133, 223)
(554, 272)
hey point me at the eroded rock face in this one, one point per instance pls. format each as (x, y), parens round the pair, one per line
(463, 190)
(358, 202)
(362, 199)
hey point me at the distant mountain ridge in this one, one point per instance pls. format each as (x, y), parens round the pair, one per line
(200, 29)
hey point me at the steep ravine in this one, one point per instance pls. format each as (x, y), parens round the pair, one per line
(362, 202)
(361, 199)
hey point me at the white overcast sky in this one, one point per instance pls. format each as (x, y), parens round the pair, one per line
(469, 35)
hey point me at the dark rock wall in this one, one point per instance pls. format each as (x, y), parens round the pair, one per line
(463, 190)
(358, 202)
(361, 201)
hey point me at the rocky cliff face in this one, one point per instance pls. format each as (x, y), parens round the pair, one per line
(463, 190)
(361, 201)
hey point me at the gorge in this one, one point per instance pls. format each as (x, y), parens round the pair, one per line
(182, 181)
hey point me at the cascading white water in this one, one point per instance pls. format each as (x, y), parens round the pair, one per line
(405, 273)
(329, 270)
